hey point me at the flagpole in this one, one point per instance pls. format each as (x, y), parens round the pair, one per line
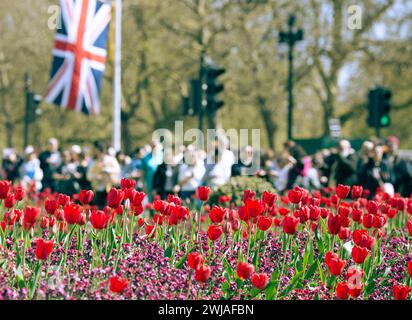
(117, 93)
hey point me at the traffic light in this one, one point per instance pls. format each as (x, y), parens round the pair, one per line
(33, 108)
(379, 107)
(384, 119)
(213, 87)
(195, 96)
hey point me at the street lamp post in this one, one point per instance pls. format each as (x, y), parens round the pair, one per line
(290, 37)
(27, 109)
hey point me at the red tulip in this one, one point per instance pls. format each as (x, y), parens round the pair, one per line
(127, 184)
(224, 199)
(52, 221)
(30, 217)
(290, 224)
(248, 195)
(202, 273)
(401, 204)
(203, 193)
(244, 270)
(314, 212)
(138, 197)
(410, 268)
(174, 199)
(51, 206)
(44, 223)
(19, 193)
(129, 194)
(342, 191)
(356, 215)
(43, 249)
(159, 205)
(99, 219)
(303, 214)
(118, 284)
(194, 260)
(324, 213)
(63, 199)
(253, 207)
(86, 196)
(4, 188)
(10, 201)
(140, 222)
(400, 292)
(344, 211)
(149, 231)
(264, 223)
(260, 280)
(344, 233)
(334, 263)
(372, 207)
(217, 214)
(72, 213)
(368, 220)
(59, 214)
(10, 217)
(355, 290)
(357, 192)
(283, 211)
(114, 198)
(269, 198)
(409, 226)
(214, 232)
(391, 213)
(379, 221)
(363, 239)
(342, 291)
(295, 196)
(359, 254)
(334, 224)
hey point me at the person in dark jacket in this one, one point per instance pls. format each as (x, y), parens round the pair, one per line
(11, 165)
(399, 171)
(342, 165)
(297, 155)
(374, 172)
(165, 179)
(50, 161)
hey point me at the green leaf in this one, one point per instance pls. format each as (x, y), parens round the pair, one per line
(239, 283)
(321, 273)
(35, 280)
(112, 237)
(311, 270)
(306, 255)
(228, 268)
(20, 278)
(180, 263)
(291, 285)
(226, 288)
(254, 292)
(284, 242)
(256, 256)
(169, 251)
(319, 242)
(270, 290)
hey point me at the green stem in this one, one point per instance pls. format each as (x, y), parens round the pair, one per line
(283, 266)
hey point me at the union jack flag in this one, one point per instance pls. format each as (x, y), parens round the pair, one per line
(79, 55)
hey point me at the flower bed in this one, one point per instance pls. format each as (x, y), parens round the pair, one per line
(331, 244)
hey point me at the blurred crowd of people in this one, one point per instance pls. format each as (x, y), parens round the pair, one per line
(157, 171)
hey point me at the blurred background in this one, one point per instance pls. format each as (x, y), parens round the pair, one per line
(334, 67)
